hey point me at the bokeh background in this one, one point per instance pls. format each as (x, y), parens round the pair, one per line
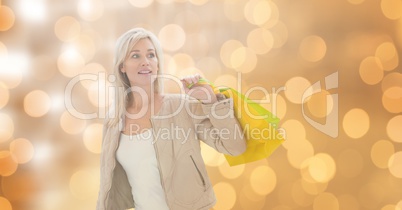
(49, 159)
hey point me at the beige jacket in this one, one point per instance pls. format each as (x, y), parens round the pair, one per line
(178, 127)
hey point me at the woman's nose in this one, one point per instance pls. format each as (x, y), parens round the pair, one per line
(145, 62)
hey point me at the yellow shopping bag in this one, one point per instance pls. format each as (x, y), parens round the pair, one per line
(258, 124)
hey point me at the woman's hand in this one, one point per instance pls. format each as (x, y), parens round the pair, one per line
(202, 92)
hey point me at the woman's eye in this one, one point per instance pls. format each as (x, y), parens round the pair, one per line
(135, 56)
(151, 55)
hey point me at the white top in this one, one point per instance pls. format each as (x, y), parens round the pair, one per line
(136, 154)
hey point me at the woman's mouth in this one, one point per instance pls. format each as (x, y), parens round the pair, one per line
(145, 72)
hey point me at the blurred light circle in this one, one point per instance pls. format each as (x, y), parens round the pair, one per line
(280, 34)
(393, 79)
(392, 99)
(274, 18)
(22, 149)
(356, 123)
(395, 164)
(277, 106)
(390, 207)
(355, 1)
(84, 184)
(371, 70)
(37, 103)
(350, 163)
(226, 80)
(70, 63)
(388, 56)
(260, 40)
(71, 124)
(141, 3)
(348, 202)
(294, 132)
(233, 10)
(3, 50)
(5, 204)
(227, 50)
(320, 104)
(182, 61)
(8, 164)
(12, 68)
(313, 188)
(225, 194)
(98, 93)
(399, 205)
(165, 1)
(299, 151)
(190, 22)
(211, 157)
(7, 18)
(313, 48)
(295, 88)
(248, 198)
(91, 69)
(67, 28)
(4, 95)
(392, 9)
(257, 12)
(394, 130)
(231, 172)
(93, 138)
(326, 201)
(243, 60)
(85, 46)
(6, 127)
(381, 151)
(371, 195)
(300, 196)
(263, 180)
(172, 37)
(321, 167)
(90, 10)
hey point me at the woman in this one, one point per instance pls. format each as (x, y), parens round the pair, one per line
(151, 157)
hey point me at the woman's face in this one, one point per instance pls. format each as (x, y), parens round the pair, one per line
(141, 64)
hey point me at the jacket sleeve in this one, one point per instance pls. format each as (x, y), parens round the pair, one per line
(216, 125)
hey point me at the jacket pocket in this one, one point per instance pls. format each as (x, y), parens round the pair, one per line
(188, 185)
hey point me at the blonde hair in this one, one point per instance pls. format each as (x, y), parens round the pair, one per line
(123, 47)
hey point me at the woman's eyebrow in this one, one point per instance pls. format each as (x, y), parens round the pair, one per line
(140, 50)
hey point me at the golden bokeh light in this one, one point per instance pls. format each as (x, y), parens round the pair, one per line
(371, 70)
(295, 88)
(395, 164)
(320, 104)
(295, 132)
(211, 156)
(5, 204)
(394, 129)
(90, 10)
(392, 9)
(7, 18)
(210, 67)
(37, 103)
(392, 99)
(22, 149)
(92, 70)
(227, 50)
(350, 163)
(260, 40)
(313, 48)
(381, 151)
(93, 138)
(98, 93)
(321, 167)
(299, 151)
(313, 188)
(393, 79)
(300, 196)
(141, 3)
(274, 18)
(263, 180)
(226, 80)
(233, 10)
(8, 164)
(3, 50)
(43, 67)
(356, 123)
(225, 195)
(280, 34)
(182, 61)
(190, 22)
(172, 37)
(85, 46)
(4, 95)
(70, 63)
(249, 199)
(71, 124)
(243, 60)
(399, 205)
(348, 202)
(84, 184)
(277, 105)
(388, 56)
(6, 127)
(13, 66)
(389, 207)
(231, 172)
(257, 12)
(67, 28)
(198, 2)
(327, 201)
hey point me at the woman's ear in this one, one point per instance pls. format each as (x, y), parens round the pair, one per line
(121, 68)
